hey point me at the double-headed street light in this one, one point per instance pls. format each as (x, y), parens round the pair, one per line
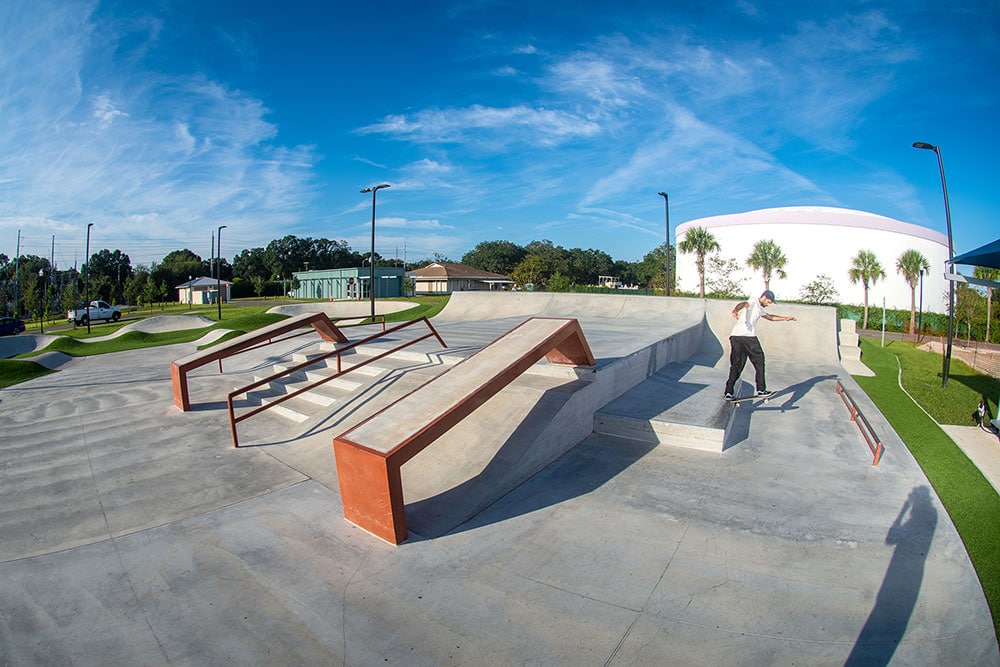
(218, 265)
(86, 276)
(951, 253)
(666, 204)
(371, 258)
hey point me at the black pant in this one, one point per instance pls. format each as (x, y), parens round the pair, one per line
(743, 348)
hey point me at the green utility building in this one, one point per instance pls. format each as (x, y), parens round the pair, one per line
(352, 283)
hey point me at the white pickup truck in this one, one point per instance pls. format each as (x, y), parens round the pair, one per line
(99, 310)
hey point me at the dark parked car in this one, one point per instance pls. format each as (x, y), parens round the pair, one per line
(10, 326)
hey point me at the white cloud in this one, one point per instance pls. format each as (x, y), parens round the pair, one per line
(499, 126)
(137, 152)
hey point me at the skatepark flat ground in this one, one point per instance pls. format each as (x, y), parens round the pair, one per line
(133, 533)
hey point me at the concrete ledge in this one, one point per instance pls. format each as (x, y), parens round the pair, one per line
(681, 405)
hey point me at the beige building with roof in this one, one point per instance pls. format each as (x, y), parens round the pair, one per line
(448, 277)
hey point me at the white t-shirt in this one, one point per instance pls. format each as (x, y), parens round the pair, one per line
(747, 320)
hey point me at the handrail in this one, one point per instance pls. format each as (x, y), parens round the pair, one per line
(233, 419)
(867, 432)
(335, 320)
(179, 368)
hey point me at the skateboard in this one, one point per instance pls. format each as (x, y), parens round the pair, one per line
(739, 399)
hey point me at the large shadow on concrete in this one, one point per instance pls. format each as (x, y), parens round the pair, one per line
(911, 534)
(463, 507)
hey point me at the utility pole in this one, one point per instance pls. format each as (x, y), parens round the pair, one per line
(17, 285)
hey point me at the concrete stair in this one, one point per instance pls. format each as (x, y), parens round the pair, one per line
(848, 341)
(311, 402)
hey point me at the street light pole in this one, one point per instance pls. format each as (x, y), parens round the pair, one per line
(951, 253)
(86, 276)
(920, 322)
(41, 301)
(666, 204)
(371, 258)
(218, 265)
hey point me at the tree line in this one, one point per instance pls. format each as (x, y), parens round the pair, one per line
(28, 285)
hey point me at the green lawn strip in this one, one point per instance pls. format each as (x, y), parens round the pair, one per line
(15, 371)
(428, 306)
(971, 501)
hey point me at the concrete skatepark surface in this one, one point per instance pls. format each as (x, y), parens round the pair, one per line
(135, 534)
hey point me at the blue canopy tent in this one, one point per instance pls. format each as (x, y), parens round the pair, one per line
(987, 256)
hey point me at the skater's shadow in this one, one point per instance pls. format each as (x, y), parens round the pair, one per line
(911, 534)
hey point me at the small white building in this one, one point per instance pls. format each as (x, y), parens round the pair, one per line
(203, 291)
(820, 240)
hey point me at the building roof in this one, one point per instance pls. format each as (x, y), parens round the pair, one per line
(201, 281)
(454, 270)
(815, 215)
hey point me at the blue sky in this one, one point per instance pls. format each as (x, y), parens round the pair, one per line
(159, 121)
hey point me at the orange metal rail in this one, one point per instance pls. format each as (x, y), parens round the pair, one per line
(867, 432)
(179, 368)
(341, 371)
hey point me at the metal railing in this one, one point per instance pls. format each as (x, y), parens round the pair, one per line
(341, 371)
(867, 432)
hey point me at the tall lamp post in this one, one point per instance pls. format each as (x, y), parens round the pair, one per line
(920, 322)
(951, 253)
(218, 269)
(666, 205)
(371, 258)
(86, 276)
(41, 301)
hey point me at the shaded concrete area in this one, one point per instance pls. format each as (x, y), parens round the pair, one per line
(135, 534)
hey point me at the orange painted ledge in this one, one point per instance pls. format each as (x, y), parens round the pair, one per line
(370, 454)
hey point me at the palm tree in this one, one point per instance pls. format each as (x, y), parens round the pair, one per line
(700, 241)
(767, 257)
(987, 274)
(911, 264)
(866, 270)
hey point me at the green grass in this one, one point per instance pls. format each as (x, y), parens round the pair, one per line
(428, 306)
(237, 319)
(13, 372)
(971, 501)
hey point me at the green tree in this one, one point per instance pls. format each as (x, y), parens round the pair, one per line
(177, 266)
(135, 286)
(820, 291)
(529, 272)
(768, 258)
(865, 268)
(586, 265)
(559, 283)
(551, 258)
(700, 241)
(495, 256)
(969, 303)
(250, 264)
(108, 273)
(724, 278)
(259, 282)
(911, 264)
(651, 268)
(986, 273)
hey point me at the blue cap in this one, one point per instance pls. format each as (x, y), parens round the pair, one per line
(768, 294)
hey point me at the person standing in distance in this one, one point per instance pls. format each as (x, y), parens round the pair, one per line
(744, 344)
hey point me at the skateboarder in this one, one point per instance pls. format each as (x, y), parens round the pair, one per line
(744, 344)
